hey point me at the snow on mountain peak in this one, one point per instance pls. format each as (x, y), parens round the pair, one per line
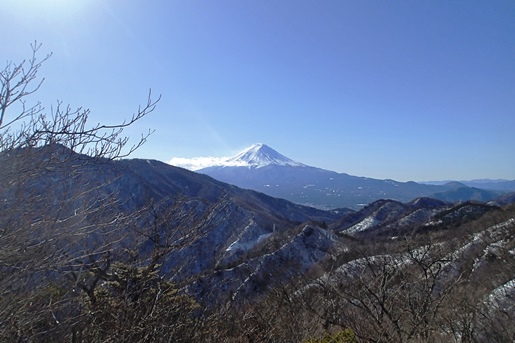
(260, 155)
(256, 156)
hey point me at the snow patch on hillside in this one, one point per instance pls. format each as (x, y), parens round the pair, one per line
(363, 225)
(245, 246)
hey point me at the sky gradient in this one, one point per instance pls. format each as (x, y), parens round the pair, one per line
(406, 90)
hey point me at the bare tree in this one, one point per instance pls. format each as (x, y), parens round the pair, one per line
(53, 213)
(63, 125)
(79, 261)
(390, 297)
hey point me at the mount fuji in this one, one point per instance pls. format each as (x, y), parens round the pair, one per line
(265, 170)
(259, 156)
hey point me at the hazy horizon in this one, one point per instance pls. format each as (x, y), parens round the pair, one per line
(200, 162)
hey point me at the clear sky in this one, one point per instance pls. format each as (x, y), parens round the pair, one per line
(407, 90)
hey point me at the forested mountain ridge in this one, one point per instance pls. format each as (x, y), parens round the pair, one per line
(225, 246)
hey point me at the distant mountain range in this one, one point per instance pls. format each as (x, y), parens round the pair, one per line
(499, 185)
(263, 169)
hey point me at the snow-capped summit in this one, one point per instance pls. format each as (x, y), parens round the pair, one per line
(260, 155)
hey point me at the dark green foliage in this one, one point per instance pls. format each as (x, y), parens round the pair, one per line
(136, 304)
(345, 336)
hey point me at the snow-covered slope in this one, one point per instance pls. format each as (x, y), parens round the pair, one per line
(260, 155)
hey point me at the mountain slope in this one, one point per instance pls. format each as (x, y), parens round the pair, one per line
(393, 219)
(137, 204)
(263, 169)
(461, 282)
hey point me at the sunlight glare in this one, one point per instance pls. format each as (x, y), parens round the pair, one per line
(49, 8)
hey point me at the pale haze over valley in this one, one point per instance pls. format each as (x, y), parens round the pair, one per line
(391, 90)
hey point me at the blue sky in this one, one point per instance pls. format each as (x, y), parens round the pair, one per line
(407, 90)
